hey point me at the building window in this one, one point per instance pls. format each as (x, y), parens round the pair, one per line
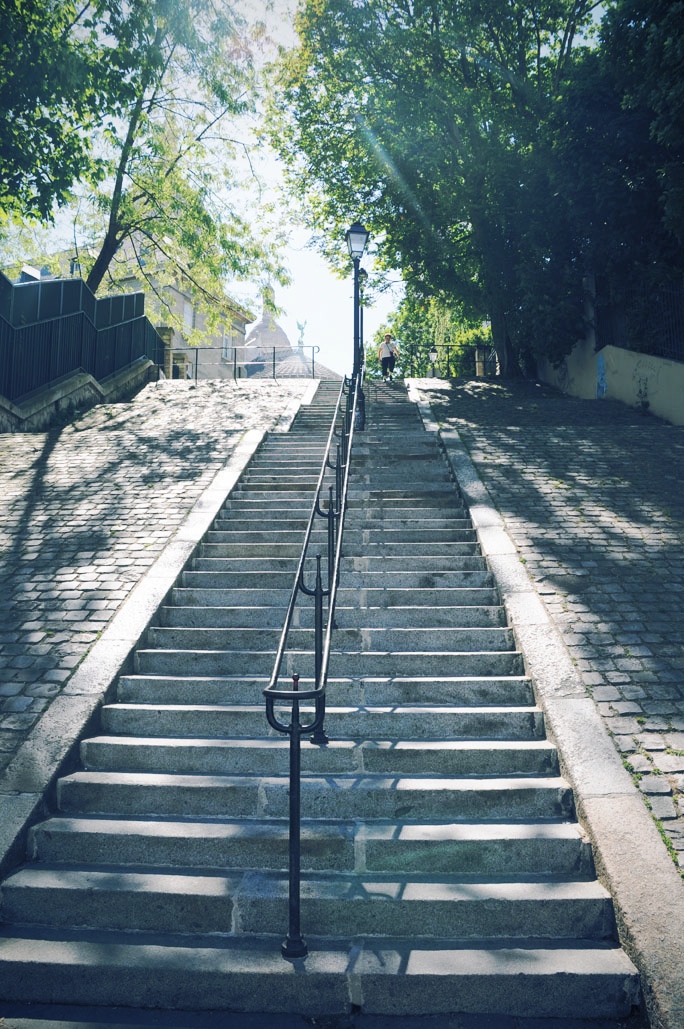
(227, 344)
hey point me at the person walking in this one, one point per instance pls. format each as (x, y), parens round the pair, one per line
(387, 353)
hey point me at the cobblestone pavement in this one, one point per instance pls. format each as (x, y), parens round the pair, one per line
(592, 494)
(86, 509)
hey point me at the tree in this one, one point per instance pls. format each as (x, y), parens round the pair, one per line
(418, 325)
(614, 167)
(424, 120)
(53, 91)
(644, 45)
(166, 205)
(155, 146)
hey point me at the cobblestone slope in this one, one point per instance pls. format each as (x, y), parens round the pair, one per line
(592, 495)
(86, 509)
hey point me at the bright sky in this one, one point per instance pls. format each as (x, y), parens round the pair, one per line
(316, 298)
(324, 305)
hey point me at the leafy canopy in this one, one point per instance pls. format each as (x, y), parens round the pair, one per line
(53, 91)
(424, 119)
(135, 110)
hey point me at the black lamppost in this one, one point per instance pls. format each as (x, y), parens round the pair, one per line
(357, 237)
(433, 358)
(363, 279)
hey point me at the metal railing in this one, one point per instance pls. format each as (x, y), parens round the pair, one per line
(416, 358)
(241, 362)
(649, 322)
(341, 439)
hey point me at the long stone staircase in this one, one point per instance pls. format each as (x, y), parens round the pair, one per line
(443, 868)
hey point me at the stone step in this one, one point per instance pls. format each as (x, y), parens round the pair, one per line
(420, 496)
(435, 619)
(422, 477)
(372, 598)
(464, 558)
(337, 904)
(182, 596)
(159, 689)
(391, 580)
(347, 664)
(251, 565)
(230, 543)
(265, 506)
(423, 722)
(130, 794)
(469, 850)
(376, 975)
(366, 513)
(269, 553)
(262, 481)
(249, 580)
(350, 567)
(281, 495)
(367, 639)
(262, 526)
(238, 755)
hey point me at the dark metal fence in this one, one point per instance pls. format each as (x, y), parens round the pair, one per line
(651, 322)
(416, 360)
(53, 328)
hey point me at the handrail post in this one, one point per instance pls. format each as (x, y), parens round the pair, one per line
(331, 537)
(319, 736)
(294, 946)
(338, 480)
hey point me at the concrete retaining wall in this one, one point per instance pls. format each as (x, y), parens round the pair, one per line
(77, 392)
(639, 380)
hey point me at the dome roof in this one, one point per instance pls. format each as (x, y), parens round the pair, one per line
(266, 332)
(271, 352)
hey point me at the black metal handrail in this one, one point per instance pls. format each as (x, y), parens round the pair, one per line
(294, 945)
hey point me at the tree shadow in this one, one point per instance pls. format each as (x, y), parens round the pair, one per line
(591, 492)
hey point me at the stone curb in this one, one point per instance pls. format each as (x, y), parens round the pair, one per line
(631, 859)
(40, 759)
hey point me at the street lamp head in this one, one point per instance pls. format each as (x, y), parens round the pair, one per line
(433, 354)
(357, 237)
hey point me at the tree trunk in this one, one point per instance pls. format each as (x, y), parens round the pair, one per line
(508, 363)
(108, 249)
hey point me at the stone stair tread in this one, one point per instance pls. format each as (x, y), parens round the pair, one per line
(467, 851)
(271, 755)
(350, 663)
(281, 743)
(228, 828)
(273, 883)
(492, 976)
(363, 638)
(332, 709)
(189, 615)
(399, 655)
(515, 689)
(344, 782)
(191, 900)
